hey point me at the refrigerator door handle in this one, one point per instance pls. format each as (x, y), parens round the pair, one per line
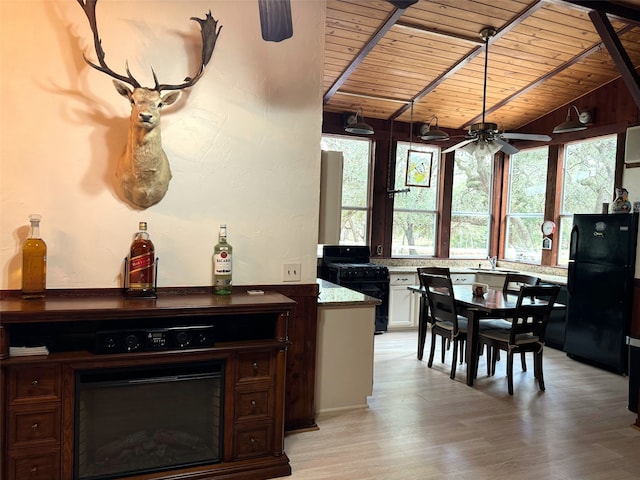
(633, 342)
(573, 243)
(571, 273)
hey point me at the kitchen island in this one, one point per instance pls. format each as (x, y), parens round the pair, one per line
(344, 362)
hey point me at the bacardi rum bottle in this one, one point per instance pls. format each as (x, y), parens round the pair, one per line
(141, 264)
(34, 262)
(222, 254)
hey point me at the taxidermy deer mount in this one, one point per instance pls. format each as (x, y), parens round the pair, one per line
(143, 170)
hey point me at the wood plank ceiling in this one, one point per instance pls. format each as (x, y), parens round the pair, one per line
(545, 54)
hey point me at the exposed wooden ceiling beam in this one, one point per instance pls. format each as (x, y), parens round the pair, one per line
(421, 29)
(521, 17)
(552, 73)
(614, 10)
(373, 41)
(617, 52)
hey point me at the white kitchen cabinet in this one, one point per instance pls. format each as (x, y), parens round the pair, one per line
(403, 305)
(494, 280)
(463, 278)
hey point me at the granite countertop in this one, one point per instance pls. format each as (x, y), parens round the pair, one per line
(332, 295)
(544, 277)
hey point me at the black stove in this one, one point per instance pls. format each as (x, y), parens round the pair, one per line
(349, 266)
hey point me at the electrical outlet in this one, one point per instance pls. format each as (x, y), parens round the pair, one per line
(291, 272)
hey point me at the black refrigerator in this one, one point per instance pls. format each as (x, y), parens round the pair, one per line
(602, 257)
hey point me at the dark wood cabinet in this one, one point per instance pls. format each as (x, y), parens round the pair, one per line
(33, 421)
(37, 393)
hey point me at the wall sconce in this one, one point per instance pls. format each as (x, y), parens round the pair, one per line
(355, 124)
(569, 125)
(435, 135)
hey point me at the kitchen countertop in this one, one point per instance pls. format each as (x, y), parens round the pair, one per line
(335, 296)
(544, 277)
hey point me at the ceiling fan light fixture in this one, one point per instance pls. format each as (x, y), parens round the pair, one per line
(482, 148)
(574, 125)
(355, 124)
(435, 135)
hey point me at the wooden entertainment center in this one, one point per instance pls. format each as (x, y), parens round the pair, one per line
(37, 393)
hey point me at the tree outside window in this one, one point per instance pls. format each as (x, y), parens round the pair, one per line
(471, 205)
(525, 205)
(415, 212)
(356, 176)
(588, 181)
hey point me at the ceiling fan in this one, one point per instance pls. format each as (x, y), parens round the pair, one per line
(484, 138)
(275, 18)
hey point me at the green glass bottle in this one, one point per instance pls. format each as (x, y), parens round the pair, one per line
(222, 254)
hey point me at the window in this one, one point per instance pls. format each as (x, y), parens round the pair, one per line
(356, 176)
(588, 181)
(415, 212)
(525, 205)
(471, 205)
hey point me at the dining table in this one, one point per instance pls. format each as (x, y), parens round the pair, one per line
(495, 303)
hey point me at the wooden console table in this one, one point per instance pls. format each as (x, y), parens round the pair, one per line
(37, 393)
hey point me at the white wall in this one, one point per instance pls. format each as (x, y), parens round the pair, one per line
(243, 143)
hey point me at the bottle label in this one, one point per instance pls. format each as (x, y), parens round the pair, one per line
(222, 263)
(141, 270)
(140, 261)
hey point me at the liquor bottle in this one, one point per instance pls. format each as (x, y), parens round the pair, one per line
(34, 262)
(141, 264)
(222, 254)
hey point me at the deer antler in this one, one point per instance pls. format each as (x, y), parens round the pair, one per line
(89, 8)
(209, 32)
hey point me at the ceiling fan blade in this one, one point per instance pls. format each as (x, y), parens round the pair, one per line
(525, 136)
(506, 146)
(460, 144)
(275, 20)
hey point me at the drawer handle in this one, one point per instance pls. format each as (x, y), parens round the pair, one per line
(255, 367)
(253, 441)
(254, 405)
(34, 470)
(35, 427)
(35, 382)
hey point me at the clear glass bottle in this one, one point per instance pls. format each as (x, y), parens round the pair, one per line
(34, 262)
(141, 267)
(222, 254)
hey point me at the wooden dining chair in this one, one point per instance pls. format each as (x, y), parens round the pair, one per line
(512, 284)
(527, 329)
(445, 321)
(423, 317)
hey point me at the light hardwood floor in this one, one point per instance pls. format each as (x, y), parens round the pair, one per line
(422, 425)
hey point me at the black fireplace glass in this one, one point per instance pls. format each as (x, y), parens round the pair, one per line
(139, 420)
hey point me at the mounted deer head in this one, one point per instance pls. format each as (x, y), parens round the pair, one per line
(143, 170)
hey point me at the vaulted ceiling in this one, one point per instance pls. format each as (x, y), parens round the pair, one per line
(429, 58)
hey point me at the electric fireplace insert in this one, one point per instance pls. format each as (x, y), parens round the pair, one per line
(144, 419)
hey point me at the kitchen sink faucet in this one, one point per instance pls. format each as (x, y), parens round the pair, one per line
(493, 261)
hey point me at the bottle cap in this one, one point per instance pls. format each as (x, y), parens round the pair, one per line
(142, 225)
(34, 217)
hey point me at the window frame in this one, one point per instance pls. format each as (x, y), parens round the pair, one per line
(507, 215)
(368, 208)
(435, 213)
(488, 214)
